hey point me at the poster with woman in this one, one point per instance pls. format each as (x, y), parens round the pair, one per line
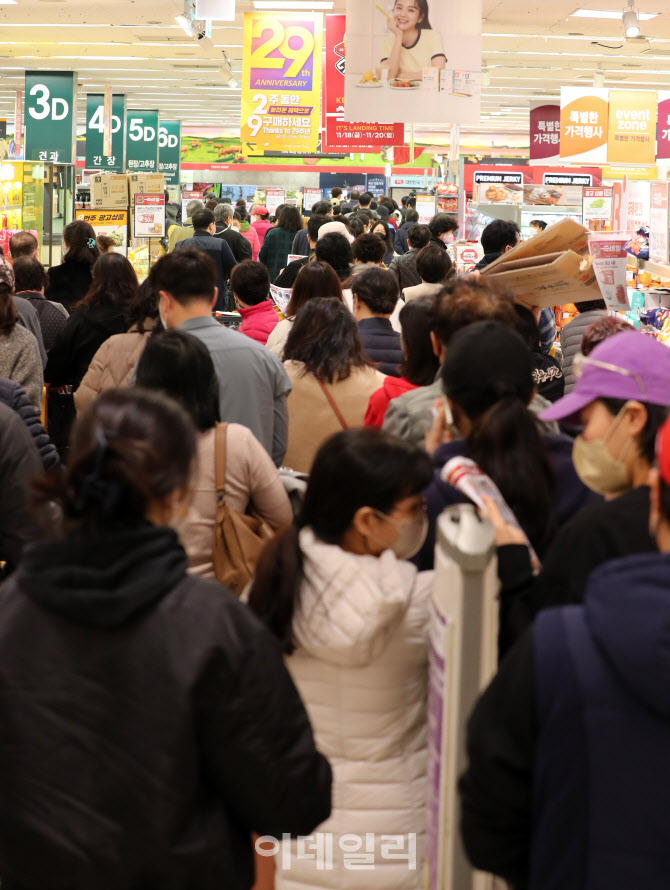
(418, 61)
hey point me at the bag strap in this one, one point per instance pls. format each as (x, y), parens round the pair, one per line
(220, 450)
(333, 404)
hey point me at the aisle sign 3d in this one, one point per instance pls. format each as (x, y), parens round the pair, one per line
(281, 82)
(50, 116)
(96, 159)
(142, 141)
(632, 127)
(169, 151)
(584, 124)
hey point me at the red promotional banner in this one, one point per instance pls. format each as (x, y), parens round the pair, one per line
(663, 132)
(340, 135)
(545, 132)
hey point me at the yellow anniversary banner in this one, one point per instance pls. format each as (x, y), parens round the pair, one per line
(281, 82)
(632, 127)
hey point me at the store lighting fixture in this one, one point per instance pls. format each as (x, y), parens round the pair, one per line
(608, 14)
(599, 78)
(302, 5)
(486, 77)
(184, 24)
(630, 21)
(233, 84)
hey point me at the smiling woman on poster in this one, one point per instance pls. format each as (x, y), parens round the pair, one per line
(413, 44)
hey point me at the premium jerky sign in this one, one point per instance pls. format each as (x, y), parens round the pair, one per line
(632, 127)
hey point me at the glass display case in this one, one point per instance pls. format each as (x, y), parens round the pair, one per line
(549, 214)
(22, 200)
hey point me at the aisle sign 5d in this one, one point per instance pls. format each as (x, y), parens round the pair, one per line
(142, 141)
(50, 116)
(95, 127)
(169, 151)
(281, 82)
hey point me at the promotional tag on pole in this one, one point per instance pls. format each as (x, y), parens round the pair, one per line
(50, 116)
(149, 216)
(96, 156)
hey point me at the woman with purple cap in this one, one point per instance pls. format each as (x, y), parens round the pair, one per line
(621, 399)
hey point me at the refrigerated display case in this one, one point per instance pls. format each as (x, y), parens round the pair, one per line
(549, 214)
(22, 200)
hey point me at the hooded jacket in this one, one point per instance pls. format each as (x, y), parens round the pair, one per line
(361, 666)
(566, 784)
(379, 401)
(149, 722)
(258, 321)
(15, 397)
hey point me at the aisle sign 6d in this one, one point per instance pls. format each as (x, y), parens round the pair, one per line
(169, 151)
(95, 127)
(142, 141)
(50, 116)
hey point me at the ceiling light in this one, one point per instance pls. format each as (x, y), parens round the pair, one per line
(233, 84)
(607, 14)
(630, 21)
(302, 5)
(184, 24)
(486, 77)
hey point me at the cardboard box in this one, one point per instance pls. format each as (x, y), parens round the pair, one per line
(109, 191)
(145, 184)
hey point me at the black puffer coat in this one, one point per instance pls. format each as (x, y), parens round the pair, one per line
(381, 344)
(14, 396)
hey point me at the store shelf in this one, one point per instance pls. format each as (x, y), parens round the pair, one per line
(11, 206)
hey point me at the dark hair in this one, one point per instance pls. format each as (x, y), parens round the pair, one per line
(129, 447)
(29, 274)
(114, 283)
(420, 364)
(603, 329)
(385, 236)
(433, 264)
(144, 306)
(527, 327)
(324, 337)
(315, 279)
(202, 219)
(499, 234)
(337, 210)
(250, 281)
(8, 314)
(656, 417)
(105, 243)
(314, 223)
(236, 215)
(464, 301)
(336, 192)
(539, 223)
(504, 439)
(22, 244)
(377, 288)
(424, 24)
(179, 365)
(385, 201)
(411, 201)
(404, 200)
(358, 224)
(441, 223)
(366, 199)
(82, 247)
(354, 195)
(369, 249)
(591, 306)
(418, 236)
(373, 204)
(187, 274)
(335, 250)
(323, 208)
(210, 204)
(412, 216)
(289, 219)
(352, 469)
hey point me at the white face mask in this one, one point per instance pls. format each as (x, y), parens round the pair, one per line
(160, 314)
(412, 533)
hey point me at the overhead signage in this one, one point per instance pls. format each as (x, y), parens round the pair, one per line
(142, 141)
(96, 159)
(632, 127)
(281, 82)
(375, 184)
(169, 151)
(584, 124)
(583, 179)
(274, 198)
(429, 71)
(50, 116)
(501, 178)
(663, 126)
(310, 197)
(149, 216)
(340, 135)
(545, 132)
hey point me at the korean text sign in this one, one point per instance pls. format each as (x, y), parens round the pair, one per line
(281, 81)
(663, 134)
(50, 116)
(584, 124)
(545, 132)
(632, 127)
(338, 134)
(96, 159)
(142, 141)
(169, 151)
(149, 216)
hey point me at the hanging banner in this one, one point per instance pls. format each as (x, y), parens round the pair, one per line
(413, 63)
(545, 133)
(663, 130)
(96, 159)
(169, 151)
(584, 124)
(107, 123)
(16, 144)
(632, 127)
(142, 141)
(339, 135)
(281, 82)
(50, 116)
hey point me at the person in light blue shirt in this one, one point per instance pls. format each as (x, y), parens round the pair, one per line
(253, 385)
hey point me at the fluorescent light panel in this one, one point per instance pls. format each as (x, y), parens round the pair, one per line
(608, 14)
(294, 4)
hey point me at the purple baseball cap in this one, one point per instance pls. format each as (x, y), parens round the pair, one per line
(629, 365)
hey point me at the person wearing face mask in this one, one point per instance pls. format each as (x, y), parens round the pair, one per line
(352, 618)
(567, 780)
(621, 398)
(443, 228)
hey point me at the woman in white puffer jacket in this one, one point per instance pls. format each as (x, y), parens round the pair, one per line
(352, 616)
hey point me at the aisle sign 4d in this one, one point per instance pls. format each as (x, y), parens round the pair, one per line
(142, 141)
(95, 127)
(50, 116)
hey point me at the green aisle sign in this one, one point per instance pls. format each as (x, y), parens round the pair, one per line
(169, 151)
(142, 141)
(50, 116)
(95, 129)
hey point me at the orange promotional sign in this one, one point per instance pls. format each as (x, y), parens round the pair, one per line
(632, 127)
(584, 124)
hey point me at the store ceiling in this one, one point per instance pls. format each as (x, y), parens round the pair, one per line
(529, 51)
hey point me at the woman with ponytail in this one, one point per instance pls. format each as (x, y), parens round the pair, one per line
(70, 281)
(149, 723)
(352, 615)
(488, 384)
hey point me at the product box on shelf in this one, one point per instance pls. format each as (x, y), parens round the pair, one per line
(145, 184)
(109, 191)
(466, 257)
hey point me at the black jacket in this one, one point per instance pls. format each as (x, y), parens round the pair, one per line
(14, 396)
(287, 276)
(239, 246)
(404, 268)
(157, 728)
(222, 256)
(52, 320)
(487, 259)
(301, 243)
(19, 462)
(400, 239)
(84, 333)
(381, 344)
(68, 283)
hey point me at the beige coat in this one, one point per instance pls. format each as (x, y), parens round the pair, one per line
(251, 478)
(112, 366)
(311, 419)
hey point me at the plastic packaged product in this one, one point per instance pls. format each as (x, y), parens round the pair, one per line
(639, 245)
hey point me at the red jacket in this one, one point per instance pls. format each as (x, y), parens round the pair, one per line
(259, 321)
(246, 231)
(379, 400)
(262, 226)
